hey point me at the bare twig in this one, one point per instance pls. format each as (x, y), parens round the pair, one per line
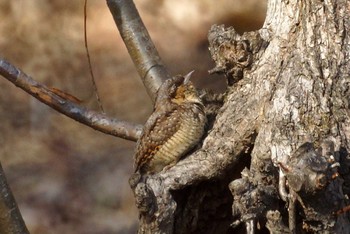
(139, 44)
(11, 220)
(292, 212)
(93, 119)
(89, 60)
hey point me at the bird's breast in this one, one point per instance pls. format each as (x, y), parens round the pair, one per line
(188, 135)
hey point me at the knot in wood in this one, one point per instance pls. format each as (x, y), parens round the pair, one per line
(230, 51)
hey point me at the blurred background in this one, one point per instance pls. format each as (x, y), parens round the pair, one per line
(66, 177)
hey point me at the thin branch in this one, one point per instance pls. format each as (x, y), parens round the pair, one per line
(139, 44)
(95, 120)
(11, 220)
(89, 60)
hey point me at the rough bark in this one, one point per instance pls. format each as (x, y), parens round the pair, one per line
(11, 221)
(280, 141)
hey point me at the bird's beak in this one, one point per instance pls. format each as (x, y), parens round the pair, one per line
(187, 77)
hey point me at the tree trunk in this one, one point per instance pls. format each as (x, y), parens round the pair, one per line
(276, 155)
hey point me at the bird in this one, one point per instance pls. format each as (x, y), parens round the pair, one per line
(176, 125)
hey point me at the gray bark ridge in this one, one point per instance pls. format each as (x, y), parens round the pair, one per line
(280, 141)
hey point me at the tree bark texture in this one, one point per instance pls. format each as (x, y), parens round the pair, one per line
(11, 221)
(276, 153)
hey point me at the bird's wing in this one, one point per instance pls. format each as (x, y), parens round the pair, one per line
(160, 126)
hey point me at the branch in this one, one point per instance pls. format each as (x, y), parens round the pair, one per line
(139, 44)
(89, 59)
(11, 220)
(95, 120)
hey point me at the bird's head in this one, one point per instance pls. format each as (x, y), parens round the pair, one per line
(178, 90)
(185, 92)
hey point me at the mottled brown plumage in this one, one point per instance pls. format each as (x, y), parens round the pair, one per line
(175, 126)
